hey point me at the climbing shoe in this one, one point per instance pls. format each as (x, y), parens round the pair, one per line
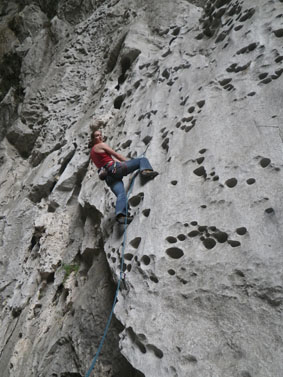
(149, 173)
(122, 218)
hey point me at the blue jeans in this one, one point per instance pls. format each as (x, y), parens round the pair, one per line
(114, 179)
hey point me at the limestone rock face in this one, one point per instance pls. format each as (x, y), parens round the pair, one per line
(197, 85)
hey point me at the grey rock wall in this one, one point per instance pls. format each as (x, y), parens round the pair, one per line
(198, 85)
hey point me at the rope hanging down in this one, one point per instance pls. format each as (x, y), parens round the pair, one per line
(119, 281)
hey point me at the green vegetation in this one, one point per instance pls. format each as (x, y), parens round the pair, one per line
(69, 268)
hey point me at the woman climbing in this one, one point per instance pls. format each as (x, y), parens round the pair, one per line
(112, 166)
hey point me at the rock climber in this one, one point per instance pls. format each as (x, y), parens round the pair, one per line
(112, 166)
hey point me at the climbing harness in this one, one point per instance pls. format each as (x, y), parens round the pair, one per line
(119, 281)
(103, 171)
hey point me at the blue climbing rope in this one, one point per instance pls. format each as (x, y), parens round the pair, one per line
(119, 281)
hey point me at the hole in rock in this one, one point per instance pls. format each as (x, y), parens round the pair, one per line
(194, 223)
(251, 94)
(247, 14)
(135, 200)
(171, 239)
(176, 31)
(240, 273)
(134, 338)
(277, 74)
(241, 231)
(146, 212)
(174, 183)
(50, 277)
(165, 74)
(202, 228)
(191, 359)
(118, 101)
(188, 119)
(234, 243)
(165, 145)
(52, 206)
(250, 181)
(220, 3)
(200, 171)
(35, 241)
(136, 242)
(154, 279)
(147, 139)
(157, 352)
(16, 311)
(183, 281)
(221, 237)
(125, 64)
(264, 162)
(128, 256)
(232, 182)
(126, 144)
(37, 309)
(174, 252)
(238, 27)
(193, 233)
(209, 243)
(266, 81)
(181, 237)
(221, 37)
(225, 81)
(200, 103)
(199, 36)
(202, 151)
(137, 84)
(145, 259)
(188, 128)
(229, 87)
(200, 160)
(269, 210)
(216, 178)
(203, 206)
(245, 374)
(191, 109)
(58, 293)
(171, 272)
(278, 33)
(129, 267)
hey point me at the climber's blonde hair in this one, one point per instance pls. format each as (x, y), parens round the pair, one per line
(95, 125)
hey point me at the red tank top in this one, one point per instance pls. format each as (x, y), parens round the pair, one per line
(100, 159)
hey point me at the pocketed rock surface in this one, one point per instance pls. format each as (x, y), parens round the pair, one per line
(197, 86)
